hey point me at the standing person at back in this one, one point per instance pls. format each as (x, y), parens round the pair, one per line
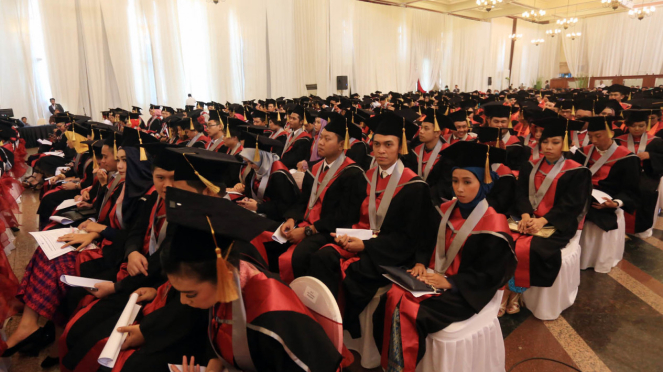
(190, 101)
(55, 106)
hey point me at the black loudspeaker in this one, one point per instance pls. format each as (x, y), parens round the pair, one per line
(341, 82)
(490, 80)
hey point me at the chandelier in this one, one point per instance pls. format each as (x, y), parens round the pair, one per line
(614, 4)
(573, 35)
(537, 41)
(554, 32)
(534, 15)
(515, 37)
(488, 5)
(566, 22)
(641, 13)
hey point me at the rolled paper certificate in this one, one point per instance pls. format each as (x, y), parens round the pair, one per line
(111, 351)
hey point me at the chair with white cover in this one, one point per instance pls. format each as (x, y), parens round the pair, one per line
(547, 303)
(600, 249)
(315, 295)
(475, 344)
(648, 233)
(365, 345)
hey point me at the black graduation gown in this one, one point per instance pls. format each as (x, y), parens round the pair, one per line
(340, 208)
(360, 153)
(650, 176)
(155, 125)
(48, 165)
(483, 265)
(622, 182)
(571, 199)
(406, 227)
(280, 194)
(278, 329)
(517, 154)
(301, 150)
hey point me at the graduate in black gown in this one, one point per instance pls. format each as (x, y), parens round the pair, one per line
(256, 322)
(552, 192)
(470, 263)
(332, 192)
(499, 116)
(650, 151)
(266, 183)
(615, 171)
(298, 143)
(396, 209)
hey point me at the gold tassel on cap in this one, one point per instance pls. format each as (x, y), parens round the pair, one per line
(573, 110)
(256, 156)
(115, 146)
(346, 142)
(419, 109)
(212, 187)
(510, 126)
(228, 129)
(447, 112)
(404, 141)
(607, 127)
(278, 115)
(225, 284)
(95, 163)
(565, 147)
(305, 121)
(486, 177)
(437, 126)
(191, 124)
(143, 155)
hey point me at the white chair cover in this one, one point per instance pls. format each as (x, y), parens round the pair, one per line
(648, 233)
(315, 295)
(365, 345)
(473, 345)
(547, 303)
(600, 249)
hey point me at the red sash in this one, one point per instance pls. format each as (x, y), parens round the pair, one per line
(604, 171)
(301, 135)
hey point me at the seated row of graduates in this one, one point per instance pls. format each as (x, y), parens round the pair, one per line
(390, 199)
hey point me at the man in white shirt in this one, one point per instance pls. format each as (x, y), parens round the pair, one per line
(190, 101)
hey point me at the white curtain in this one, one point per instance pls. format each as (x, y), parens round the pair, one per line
(427, 44)
(467, 54)
(341, 44)
(500, 52)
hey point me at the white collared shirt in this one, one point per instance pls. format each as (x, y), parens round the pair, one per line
(388, 171)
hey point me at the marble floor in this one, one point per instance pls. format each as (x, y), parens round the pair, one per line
(616, 323)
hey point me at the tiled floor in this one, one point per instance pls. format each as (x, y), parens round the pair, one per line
(616, 323)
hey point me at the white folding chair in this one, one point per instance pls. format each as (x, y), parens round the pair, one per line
(547, 303)
(473, 345)
(365, 345)
(600, 249)
(315, 295)
(648, 233)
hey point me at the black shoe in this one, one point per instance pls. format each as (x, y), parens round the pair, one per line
(50, 362)
(28, 341)
(15, 229)
(45, 338)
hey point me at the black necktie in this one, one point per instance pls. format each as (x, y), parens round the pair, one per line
(325, 168)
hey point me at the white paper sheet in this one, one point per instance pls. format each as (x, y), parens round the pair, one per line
(78, 281)
(111, 351)
(599, 195)
(234, 193)
(179, 367)
(61, 170)
(66, 204)
(362, 234)
(55, 153)
(47, 241)
(278, 236)
(61, 220)
(45, 142)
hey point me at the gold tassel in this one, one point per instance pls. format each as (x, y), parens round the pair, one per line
(346, 143)
(115, 146)
(629, 96)
(191, 124)
(486, 177)
(92, 139)
(225, 284)
(95, 163)
(306, 121)
(256, 156)
(212, 187)
(228, 129)
(447, 112)
(437, 126)
(510, 126)
(143, 155)
(607, 127)
(419, 109)
(404, 141)
(565, 147)
(573, 110)
(278, 115)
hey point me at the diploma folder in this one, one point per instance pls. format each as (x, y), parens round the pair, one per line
(545, 231)
(400, 276)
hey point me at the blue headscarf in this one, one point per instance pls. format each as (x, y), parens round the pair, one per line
(466, 208)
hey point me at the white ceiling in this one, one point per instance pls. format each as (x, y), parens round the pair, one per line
(555, 9)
